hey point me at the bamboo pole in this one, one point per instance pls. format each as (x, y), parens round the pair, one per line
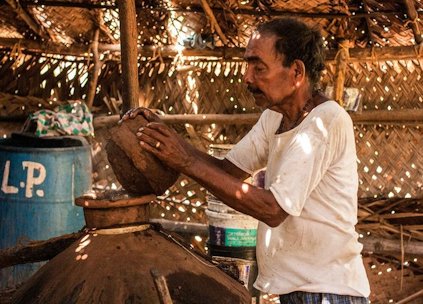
(128, 40)
(379, 116)
(228, 53)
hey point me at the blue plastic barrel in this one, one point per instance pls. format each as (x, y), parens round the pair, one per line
(40, 179)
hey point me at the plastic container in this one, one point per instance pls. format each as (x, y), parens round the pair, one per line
(40, 179)
(231, 233)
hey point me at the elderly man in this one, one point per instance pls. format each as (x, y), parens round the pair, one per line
(307, 248)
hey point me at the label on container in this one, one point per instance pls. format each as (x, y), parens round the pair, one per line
(232, 237)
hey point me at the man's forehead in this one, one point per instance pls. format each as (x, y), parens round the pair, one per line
(259, 45)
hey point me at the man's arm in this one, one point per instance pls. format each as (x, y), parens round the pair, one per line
(222, 164)
(220, 177)
(243, 197)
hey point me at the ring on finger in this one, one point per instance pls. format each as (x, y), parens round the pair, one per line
(157, 145)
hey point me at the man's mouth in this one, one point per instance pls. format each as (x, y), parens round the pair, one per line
(254, 91)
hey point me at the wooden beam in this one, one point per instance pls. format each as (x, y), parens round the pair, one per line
(413, 17)
(381, 245)
(129, 60)
(32, 24)
(385, 116)
(244, 11)
(214, 24)
(228, 53)
(36, 251)
(379, 116)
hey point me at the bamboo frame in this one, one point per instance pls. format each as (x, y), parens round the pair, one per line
(379, 116)
(227, 53)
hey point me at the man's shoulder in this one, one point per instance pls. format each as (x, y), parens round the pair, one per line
(330, 110)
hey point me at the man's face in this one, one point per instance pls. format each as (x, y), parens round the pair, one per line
(268, 80)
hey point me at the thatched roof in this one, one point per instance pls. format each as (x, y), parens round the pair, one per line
(72, 23)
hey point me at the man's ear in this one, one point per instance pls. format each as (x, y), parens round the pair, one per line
(299, 70)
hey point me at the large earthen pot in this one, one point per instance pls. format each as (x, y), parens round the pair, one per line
(138, 171)
(132, 262)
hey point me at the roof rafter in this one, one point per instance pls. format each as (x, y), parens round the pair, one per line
(242, 11)
(33, 25)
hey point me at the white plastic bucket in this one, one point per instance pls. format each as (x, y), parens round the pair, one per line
(231, 229)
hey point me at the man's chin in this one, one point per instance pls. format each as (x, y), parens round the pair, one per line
(261, 101)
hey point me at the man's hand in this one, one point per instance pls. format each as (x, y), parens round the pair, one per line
(167, 145)
(144, 112)
(162, 141)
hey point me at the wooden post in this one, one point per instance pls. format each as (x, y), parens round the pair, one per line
(341, 65)
(92, 85)
(128, 41)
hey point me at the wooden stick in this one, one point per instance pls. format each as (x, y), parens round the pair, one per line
(129, 61)
(411, 297)
(228, 53)
(368, 22)
(414, 24)
(92, 85)
(341, 68)
(400, 215)
(36, 251)
(213, 21)
(161, 286)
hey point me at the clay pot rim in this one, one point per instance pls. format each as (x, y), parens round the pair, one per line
(92, 203)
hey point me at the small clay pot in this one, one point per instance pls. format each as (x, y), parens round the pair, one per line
(138, 171)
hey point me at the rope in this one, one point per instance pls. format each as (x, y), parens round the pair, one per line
(121, 230)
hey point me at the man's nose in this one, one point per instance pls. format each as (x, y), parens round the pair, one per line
(248, 77)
